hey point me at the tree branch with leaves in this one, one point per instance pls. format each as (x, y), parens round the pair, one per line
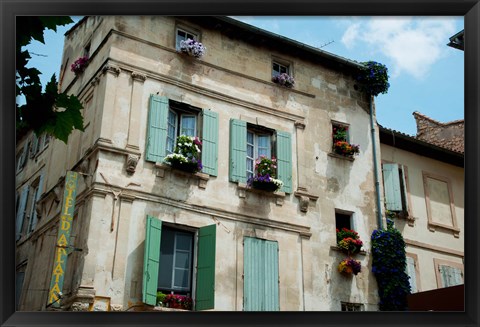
(49, 111)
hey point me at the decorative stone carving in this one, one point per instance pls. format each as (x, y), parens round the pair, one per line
(299, 125)
(79, 306)
(139, 77)
(116, 307)
(132, 161)
(95, 81)
(111, 69)
(304, 200)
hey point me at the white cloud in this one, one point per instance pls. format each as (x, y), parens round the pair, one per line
(350, 35)
(413, 44)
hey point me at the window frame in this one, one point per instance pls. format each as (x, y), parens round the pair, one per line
(335, 123)
(180, 110)
(414, 257)
(188, 31)
(258, 132)
(344, 213)
(431, 223)
(287, 65)
(189, 291)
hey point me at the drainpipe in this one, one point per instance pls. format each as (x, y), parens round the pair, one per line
(375, 167)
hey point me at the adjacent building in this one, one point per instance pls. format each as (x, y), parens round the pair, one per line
(423, 182)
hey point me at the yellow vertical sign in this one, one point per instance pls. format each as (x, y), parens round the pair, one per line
(63, 239)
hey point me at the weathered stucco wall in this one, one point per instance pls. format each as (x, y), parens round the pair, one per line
(133, 58)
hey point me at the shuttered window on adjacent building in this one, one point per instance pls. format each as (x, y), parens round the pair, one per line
(175, 272)
(165, 123)
(394, 184)
(240, 155)
(450, 276)
(261, 278)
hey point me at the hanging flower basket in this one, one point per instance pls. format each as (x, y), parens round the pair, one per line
(373, 78)
(349, 266)
(192, 48)
(264, 178)
(79, 65)
(284, 79)
(186, 155)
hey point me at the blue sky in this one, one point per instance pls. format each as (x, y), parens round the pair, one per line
(425, 74)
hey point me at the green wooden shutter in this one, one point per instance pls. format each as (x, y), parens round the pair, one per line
(157, 129)
(151, 260)
(205, 292)
(284, 160)
(34, 219)
(21, 211)
(238, 151)
(260, 292)
(210, 143)
(391, 185)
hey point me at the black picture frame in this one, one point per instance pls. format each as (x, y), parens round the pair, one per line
(470, 9)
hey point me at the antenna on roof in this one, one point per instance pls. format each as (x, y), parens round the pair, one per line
(325, 44)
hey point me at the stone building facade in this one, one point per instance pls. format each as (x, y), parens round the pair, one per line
(232, 247)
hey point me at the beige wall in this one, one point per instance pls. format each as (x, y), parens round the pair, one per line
(426, 240)
(138, 59)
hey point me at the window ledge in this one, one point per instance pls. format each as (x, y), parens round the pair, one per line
(159, 308)
(336, 248)
(161, 168)
(339, 156)
(243, 189)
(433, 226)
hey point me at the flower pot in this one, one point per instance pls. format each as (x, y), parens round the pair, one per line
(189, 167)
(265, 186)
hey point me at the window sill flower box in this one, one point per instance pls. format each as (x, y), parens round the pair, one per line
(349, 241)
(264, 177)
(79, 65)
(284, 80)
(186, 155)
(192, 48)
(345, 149)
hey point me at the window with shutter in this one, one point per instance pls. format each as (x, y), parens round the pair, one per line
(261, 276)
(249, 142)
(175, 248)
(21, 212)
(169, 119)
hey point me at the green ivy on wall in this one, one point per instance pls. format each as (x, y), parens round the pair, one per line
(389, 262)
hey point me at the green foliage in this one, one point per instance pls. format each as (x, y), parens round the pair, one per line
(161, 298)
(389, 262)
(373, 78)
(49, 111)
